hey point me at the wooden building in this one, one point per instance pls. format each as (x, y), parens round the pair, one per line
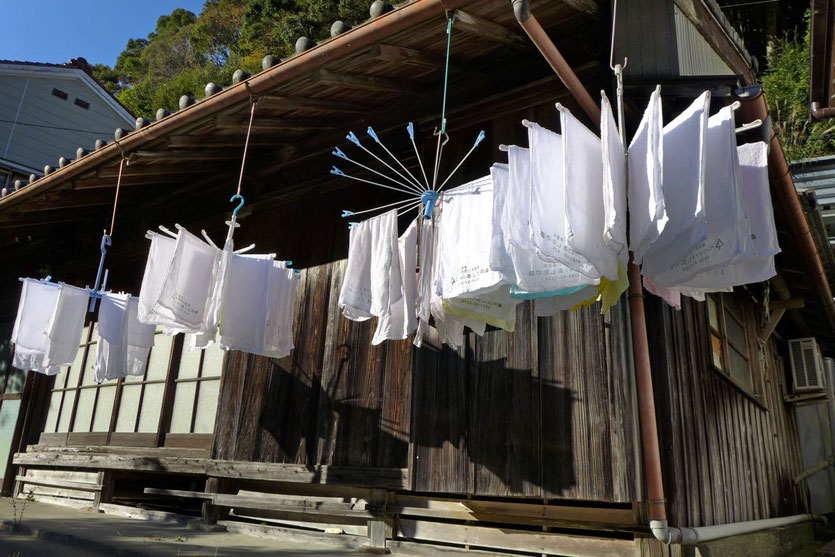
(526, 443)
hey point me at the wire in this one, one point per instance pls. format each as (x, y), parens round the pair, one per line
(53, 127)
(116, 199)
(749, 3)
(253, 101)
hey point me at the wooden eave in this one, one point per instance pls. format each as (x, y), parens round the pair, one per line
(192, 157)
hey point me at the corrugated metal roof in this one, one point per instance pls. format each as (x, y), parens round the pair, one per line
(818, 175)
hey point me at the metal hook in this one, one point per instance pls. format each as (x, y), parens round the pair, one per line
(238, 208)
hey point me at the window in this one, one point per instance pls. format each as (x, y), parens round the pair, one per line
(730, 337)
(177, 395)
(83, 104)
(60, 94)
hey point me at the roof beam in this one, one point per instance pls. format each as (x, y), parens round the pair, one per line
(274, 125)
(368, 83)
(285, 102)
(204, 141)
(170, 155)
(486, 29)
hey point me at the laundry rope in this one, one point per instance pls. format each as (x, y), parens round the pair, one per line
(446, 72)
(116, 199)
(253, 101)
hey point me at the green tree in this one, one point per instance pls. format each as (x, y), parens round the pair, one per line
(186, 51)
(786, 85)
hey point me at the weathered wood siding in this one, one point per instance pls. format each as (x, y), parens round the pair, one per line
(725, 457)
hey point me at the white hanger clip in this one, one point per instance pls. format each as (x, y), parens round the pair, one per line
(749, 126)
(735, 105)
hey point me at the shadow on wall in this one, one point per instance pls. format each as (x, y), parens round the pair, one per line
(477, 427)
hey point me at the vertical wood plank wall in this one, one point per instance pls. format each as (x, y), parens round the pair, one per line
(725, 457)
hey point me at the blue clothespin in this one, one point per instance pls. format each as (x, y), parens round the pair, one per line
(353, 139)
(411, 129)
(480, 138)
(288, 263)
(352, 224)
(337, 172)
(429, 198)
(48, 278)
(297, 273)
(338, 153)
(373, 134)
(346, 213)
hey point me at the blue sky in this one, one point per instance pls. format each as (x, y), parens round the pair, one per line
(57, 30)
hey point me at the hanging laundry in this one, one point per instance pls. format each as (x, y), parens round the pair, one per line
(684, 183)
(281, 305)
(756, 262)
(372, 278)
(426, 277)
(48, 327)
(727, 228)
(585, 211)
(647, 210)
(124, 343)
(176, 287)
(500, 259)
(614, 183)
(534, 277)
(244, 303)
(545, 307)
(401, 319)
(548, 202)
(465, 241)
(495, 308)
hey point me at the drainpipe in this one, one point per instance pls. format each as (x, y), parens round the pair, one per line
(753, 106)
(821, 113)
(646, 401)
(640, 343)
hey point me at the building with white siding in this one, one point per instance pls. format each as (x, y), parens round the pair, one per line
(47, 111)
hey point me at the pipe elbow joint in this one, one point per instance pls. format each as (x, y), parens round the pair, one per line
(669, 535)
(522, 10)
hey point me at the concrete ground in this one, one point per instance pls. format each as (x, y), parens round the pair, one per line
(50, 530)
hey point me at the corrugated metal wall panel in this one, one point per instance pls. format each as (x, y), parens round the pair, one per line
(695, 55)
(645, 34)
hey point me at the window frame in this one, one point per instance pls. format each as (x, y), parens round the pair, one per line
(161, 438)
(752, 347)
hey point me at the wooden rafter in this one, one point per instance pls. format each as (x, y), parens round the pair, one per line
(285, 102)
(487, 29)
(368, 83)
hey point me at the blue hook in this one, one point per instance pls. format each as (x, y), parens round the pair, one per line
(429, 198)
(238, 208)
(337, 172)
(346, 213)
(480, 138)
(353, 139)
(338, 153)
(373, 134)
(411, 129)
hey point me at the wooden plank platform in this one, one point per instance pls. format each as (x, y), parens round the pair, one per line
(394, 478)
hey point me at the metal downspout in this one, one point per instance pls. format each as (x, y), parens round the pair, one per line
(646, 401)
(640, 343)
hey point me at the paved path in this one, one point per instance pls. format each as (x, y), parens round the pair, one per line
(50, 530)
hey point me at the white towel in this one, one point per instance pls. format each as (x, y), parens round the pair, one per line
(532, 274)
(684, 195)
(727, 227)
(500, 259)
(367, 286)
(66, 324)
(281, 305)
(401, 320)
(544, 307)
(426, 277)
(48, 328)
(756, 262)
(124, 343)
(177, 285)
(585, 212)
(465, 240)
(245, 296)
(548, 202)
(647, 211)
(614, 183)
